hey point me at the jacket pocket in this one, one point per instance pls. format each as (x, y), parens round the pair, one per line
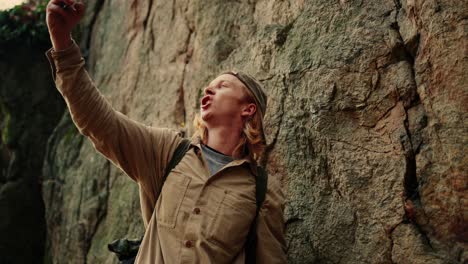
(231, 222)
(170, 199)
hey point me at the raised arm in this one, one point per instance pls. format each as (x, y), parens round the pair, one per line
(141, 151)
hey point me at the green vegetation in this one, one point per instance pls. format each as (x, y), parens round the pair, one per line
(24, 24)
(4, 123)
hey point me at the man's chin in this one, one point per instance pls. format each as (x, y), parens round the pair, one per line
(205, 116)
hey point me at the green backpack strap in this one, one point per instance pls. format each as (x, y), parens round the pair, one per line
(261, 183)
(179, 153)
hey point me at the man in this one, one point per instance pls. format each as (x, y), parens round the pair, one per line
(203, 211)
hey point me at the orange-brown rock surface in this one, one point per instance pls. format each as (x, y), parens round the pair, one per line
(366, 120)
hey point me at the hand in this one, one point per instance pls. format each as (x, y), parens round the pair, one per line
(61, 17)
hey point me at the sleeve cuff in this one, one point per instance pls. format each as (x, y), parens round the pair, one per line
(62, 59)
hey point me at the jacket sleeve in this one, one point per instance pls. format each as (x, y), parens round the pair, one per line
(142, 152)
(271, 244)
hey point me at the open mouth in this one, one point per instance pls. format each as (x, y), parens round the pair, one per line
(205, 102)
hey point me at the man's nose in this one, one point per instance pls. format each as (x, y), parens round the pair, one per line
(208, 90)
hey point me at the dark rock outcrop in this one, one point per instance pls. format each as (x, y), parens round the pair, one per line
(30, 108)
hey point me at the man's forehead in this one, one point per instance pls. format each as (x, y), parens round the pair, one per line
(229, 78)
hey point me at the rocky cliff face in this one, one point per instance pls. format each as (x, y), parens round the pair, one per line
(366, 120)
(29, 111)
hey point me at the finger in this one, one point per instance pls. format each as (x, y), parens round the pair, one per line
(80, 7)
(64, 4)
(67, 2)
(56, 2)
(60, 3)
(72, 2)
(56, 9)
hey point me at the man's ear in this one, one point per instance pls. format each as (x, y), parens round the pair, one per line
(248, 110)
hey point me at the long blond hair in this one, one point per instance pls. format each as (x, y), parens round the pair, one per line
(252, 141)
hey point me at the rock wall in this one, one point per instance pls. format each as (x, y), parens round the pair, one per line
(366, 120)
(30, 108)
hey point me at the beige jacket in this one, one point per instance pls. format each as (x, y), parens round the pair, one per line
(194, 218)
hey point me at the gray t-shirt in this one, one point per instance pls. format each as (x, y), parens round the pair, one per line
(215, 159)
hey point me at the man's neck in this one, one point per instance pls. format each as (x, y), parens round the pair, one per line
(223, 139)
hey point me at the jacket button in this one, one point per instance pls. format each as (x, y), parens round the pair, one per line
(196, 210)
(188, 243)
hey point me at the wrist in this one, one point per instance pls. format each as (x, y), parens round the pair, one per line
(61, 43)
